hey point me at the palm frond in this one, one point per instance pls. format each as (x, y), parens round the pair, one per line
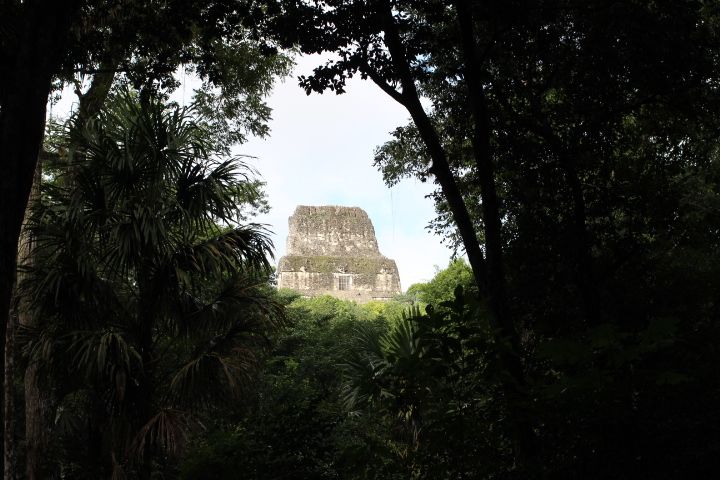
(210, 190)
(363, 370)
(210, 377)
(168, 430)
(402, 342)
(99, 353)
(138, 230)
(241, 304)
(118, 471)
(247, 247)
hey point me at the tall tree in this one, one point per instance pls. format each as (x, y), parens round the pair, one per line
(109, 37)
(146, 283)
(36, 396)
(392, 44)
(545, 117)
(33, 40)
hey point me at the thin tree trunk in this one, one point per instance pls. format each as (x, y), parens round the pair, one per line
(92, 101)
(489, 274)
(580, 248)
(410, 99)
(145, 387)
(525, 447)
(10, 463)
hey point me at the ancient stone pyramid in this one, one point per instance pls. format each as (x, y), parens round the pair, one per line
(333, 250)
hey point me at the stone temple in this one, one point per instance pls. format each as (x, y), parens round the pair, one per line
(333, 251)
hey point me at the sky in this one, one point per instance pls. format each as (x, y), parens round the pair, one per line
(320, 152)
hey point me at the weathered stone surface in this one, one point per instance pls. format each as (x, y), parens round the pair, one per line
(333, 250)
(331, 231)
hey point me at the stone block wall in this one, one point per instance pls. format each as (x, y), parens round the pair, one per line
(333, 250)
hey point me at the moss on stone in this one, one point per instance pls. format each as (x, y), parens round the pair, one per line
(326, 243)
(321, 264)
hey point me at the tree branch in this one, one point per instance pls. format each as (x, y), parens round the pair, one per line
(380, 82)
(440, 166)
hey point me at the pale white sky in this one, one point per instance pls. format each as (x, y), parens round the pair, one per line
(320, 152)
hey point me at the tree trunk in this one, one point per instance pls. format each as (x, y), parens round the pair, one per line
(10, 463)
(489, 274)
(92, 101)
(43, 33)
(36, 398)
(440, 166)
(36, 423)
(19, 315)
(146, 385)
(38, 402)
(524, 437)
(580, 247)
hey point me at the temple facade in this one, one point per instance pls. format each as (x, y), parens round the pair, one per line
(333, 251)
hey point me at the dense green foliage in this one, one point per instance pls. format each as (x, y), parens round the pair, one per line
(295, 423)
(91, 45)
(146, 287)
(349, 394)
(442, 287)
(575, 149)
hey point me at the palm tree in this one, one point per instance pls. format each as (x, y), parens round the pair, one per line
(151, 294)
